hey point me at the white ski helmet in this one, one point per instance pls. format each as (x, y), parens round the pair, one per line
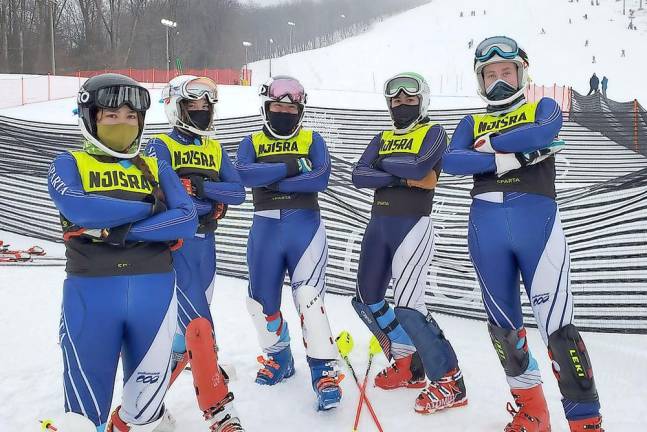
(111, 91)
(499, 49)
(189, 87)
(283, 88)
(412, 84)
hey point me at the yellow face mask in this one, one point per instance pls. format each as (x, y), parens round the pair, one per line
(118, 137)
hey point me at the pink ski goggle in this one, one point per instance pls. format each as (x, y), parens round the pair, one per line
(283, 88)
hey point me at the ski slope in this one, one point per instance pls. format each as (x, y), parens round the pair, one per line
(31, 375)
(433, 39)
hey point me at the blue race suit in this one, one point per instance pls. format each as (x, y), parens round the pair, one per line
(119, 294)
(515, 229)
(399, 239)
(195, 262)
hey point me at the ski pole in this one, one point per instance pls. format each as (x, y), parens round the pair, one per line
(373, 349)
(345, 345)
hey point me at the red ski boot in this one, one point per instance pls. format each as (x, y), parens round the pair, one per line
(447, 392)
(404, 372)
(532, 415)
(586, 425)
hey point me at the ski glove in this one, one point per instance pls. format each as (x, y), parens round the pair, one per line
(506, 162)
(484, 145)
(298, 166)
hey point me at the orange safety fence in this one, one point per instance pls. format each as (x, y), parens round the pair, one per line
(25, 89)
(562, 94)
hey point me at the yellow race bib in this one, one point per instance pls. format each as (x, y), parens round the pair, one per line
(486, 123)
(207, 156)
(410, 142)
(298, 145)
(97, 176)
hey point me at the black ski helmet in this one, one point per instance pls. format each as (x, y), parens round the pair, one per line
(110, 91)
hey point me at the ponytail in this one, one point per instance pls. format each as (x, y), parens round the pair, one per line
(148, 175)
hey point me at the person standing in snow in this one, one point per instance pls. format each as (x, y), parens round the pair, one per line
(594, 84)
(287, 166)
(121, 215)
(605, 84)
(211, 181)
(402, 166)
(514, 229)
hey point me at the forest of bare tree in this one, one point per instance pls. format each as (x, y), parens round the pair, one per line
(97, 34)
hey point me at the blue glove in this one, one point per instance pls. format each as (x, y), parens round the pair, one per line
(298, 166)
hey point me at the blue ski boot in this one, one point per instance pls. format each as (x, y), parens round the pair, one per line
(276, 367)
(325, 382)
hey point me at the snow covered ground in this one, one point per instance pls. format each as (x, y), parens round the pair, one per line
(31, 384)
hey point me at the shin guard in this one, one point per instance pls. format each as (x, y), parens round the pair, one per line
(437, 354)
(317, 337)
(208, 381)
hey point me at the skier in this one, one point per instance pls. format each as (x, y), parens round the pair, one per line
(514, 228)
(212, 182)
(121, 215)
(286, 166)
(402, 166)
(605, 85)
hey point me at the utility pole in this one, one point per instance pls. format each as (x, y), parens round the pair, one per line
(52, 10)
(169, 25)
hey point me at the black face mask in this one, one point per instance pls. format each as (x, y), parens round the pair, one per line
(283, 124)
(500, 90)
(404, 115)
(201, 119)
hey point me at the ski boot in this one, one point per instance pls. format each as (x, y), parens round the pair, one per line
(325, 383)
(276, 367)
(223, 417)
(404, 372)
(447, 392)
(166, 423)
(586, 425)
(532, 415)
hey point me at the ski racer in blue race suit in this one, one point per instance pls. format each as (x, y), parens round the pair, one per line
(402, 166)
(286, 166)
(121, 214)
(515, 229)
(205, 169)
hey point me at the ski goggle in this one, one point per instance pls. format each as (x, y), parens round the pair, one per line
(114, 97)
(409, 85)
(199, 88)
(285, 88)
(502, 46)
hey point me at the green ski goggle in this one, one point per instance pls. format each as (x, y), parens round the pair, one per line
(409, 85)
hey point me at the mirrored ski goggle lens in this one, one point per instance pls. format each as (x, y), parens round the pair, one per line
(503, 46)
(197, 89)
(115, 97)
(279, 89)
(410, 86)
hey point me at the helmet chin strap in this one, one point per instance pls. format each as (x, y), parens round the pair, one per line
(408, 128)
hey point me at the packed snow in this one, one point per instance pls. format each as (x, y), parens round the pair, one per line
(31, 376)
